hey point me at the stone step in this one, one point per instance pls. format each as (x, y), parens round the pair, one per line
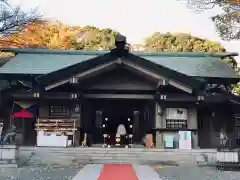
(40, 159)
(99, 156)
(121, 154)
(88, 162)
(98, 161)
(113, 152)
(78, 149)
(105, 154)
(109, 155)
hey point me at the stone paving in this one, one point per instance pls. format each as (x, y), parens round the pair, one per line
(186, 170)
(196, 173)
(48, 172)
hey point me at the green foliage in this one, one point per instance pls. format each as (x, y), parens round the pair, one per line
(179, 43)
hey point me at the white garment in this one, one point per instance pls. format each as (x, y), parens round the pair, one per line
(222, 136)
(121, 130)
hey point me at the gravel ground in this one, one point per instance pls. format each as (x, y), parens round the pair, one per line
(46, 172)
(196, 173)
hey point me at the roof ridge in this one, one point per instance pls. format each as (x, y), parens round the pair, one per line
(101, 52)
(186, 54)
(52, 51)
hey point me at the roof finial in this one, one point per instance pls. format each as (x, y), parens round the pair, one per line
(120, 41)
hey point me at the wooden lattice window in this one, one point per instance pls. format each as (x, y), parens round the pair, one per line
(176, 124)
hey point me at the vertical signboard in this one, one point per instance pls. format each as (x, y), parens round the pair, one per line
(169, 141)
(185, 140)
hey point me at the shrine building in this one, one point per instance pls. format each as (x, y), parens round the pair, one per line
(54, 97)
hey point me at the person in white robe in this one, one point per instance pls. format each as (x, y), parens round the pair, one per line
(121, 130)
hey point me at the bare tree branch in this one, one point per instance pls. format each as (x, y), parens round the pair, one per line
(228, 22)
(14, 19)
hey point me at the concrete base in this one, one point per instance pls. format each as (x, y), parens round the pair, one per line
(9, 156)
(8, 164)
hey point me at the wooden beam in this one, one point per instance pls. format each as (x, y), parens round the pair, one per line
(166, 97)
(99, 69)
(85, 74)
(59, 83)
(120, 96)
(157, 76)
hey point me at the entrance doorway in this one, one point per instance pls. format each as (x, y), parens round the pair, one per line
(115, 117)
(108, 114)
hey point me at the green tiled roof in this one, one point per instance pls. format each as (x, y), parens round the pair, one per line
(4, 59)
(196, 66)
(43, 61)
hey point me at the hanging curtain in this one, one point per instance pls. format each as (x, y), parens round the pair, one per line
(24, 110)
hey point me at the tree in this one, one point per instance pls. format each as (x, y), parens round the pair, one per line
(13, 19)
(168, 42)
(55, 35)
(92, 38)
(228, 21)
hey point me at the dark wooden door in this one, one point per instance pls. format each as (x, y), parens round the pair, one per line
(98, 127)
(136, 126)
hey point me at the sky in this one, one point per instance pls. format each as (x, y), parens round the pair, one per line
(136, 19)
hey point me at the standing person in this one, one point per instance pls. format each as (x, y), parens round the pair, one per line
(223, 138)
(121, 130)
(121, 133)
(144, 140)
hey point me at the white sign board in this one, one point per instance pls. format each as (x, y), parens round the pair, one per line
(176, 114)
(185, 140)
(227, 157)
(51, 141)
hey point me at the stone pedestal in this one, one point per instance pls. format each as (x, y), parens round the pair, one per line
(9, 155)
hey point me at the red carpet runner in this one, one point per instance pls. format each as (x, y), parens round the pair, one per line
(117, 172)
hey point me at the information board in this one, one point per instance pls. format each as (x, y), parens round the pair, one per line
(185, 140)
(168, 141)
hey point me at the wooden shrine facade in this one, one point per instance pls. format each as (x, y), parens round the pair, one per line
(80, 92)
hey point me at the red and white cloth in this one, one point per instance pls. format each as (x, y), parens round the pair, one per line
(116, 172)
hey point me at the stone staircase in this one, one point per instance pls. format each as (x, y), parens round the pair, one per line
(71, 156)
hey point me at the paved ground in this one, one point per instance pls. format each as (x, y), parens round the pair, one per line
(46, 172)
(69, 171)
(74, 173)
(196, 173)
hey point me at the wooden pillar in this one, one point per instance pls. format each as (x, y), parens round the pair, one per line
(159, 124)
(76, 110)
